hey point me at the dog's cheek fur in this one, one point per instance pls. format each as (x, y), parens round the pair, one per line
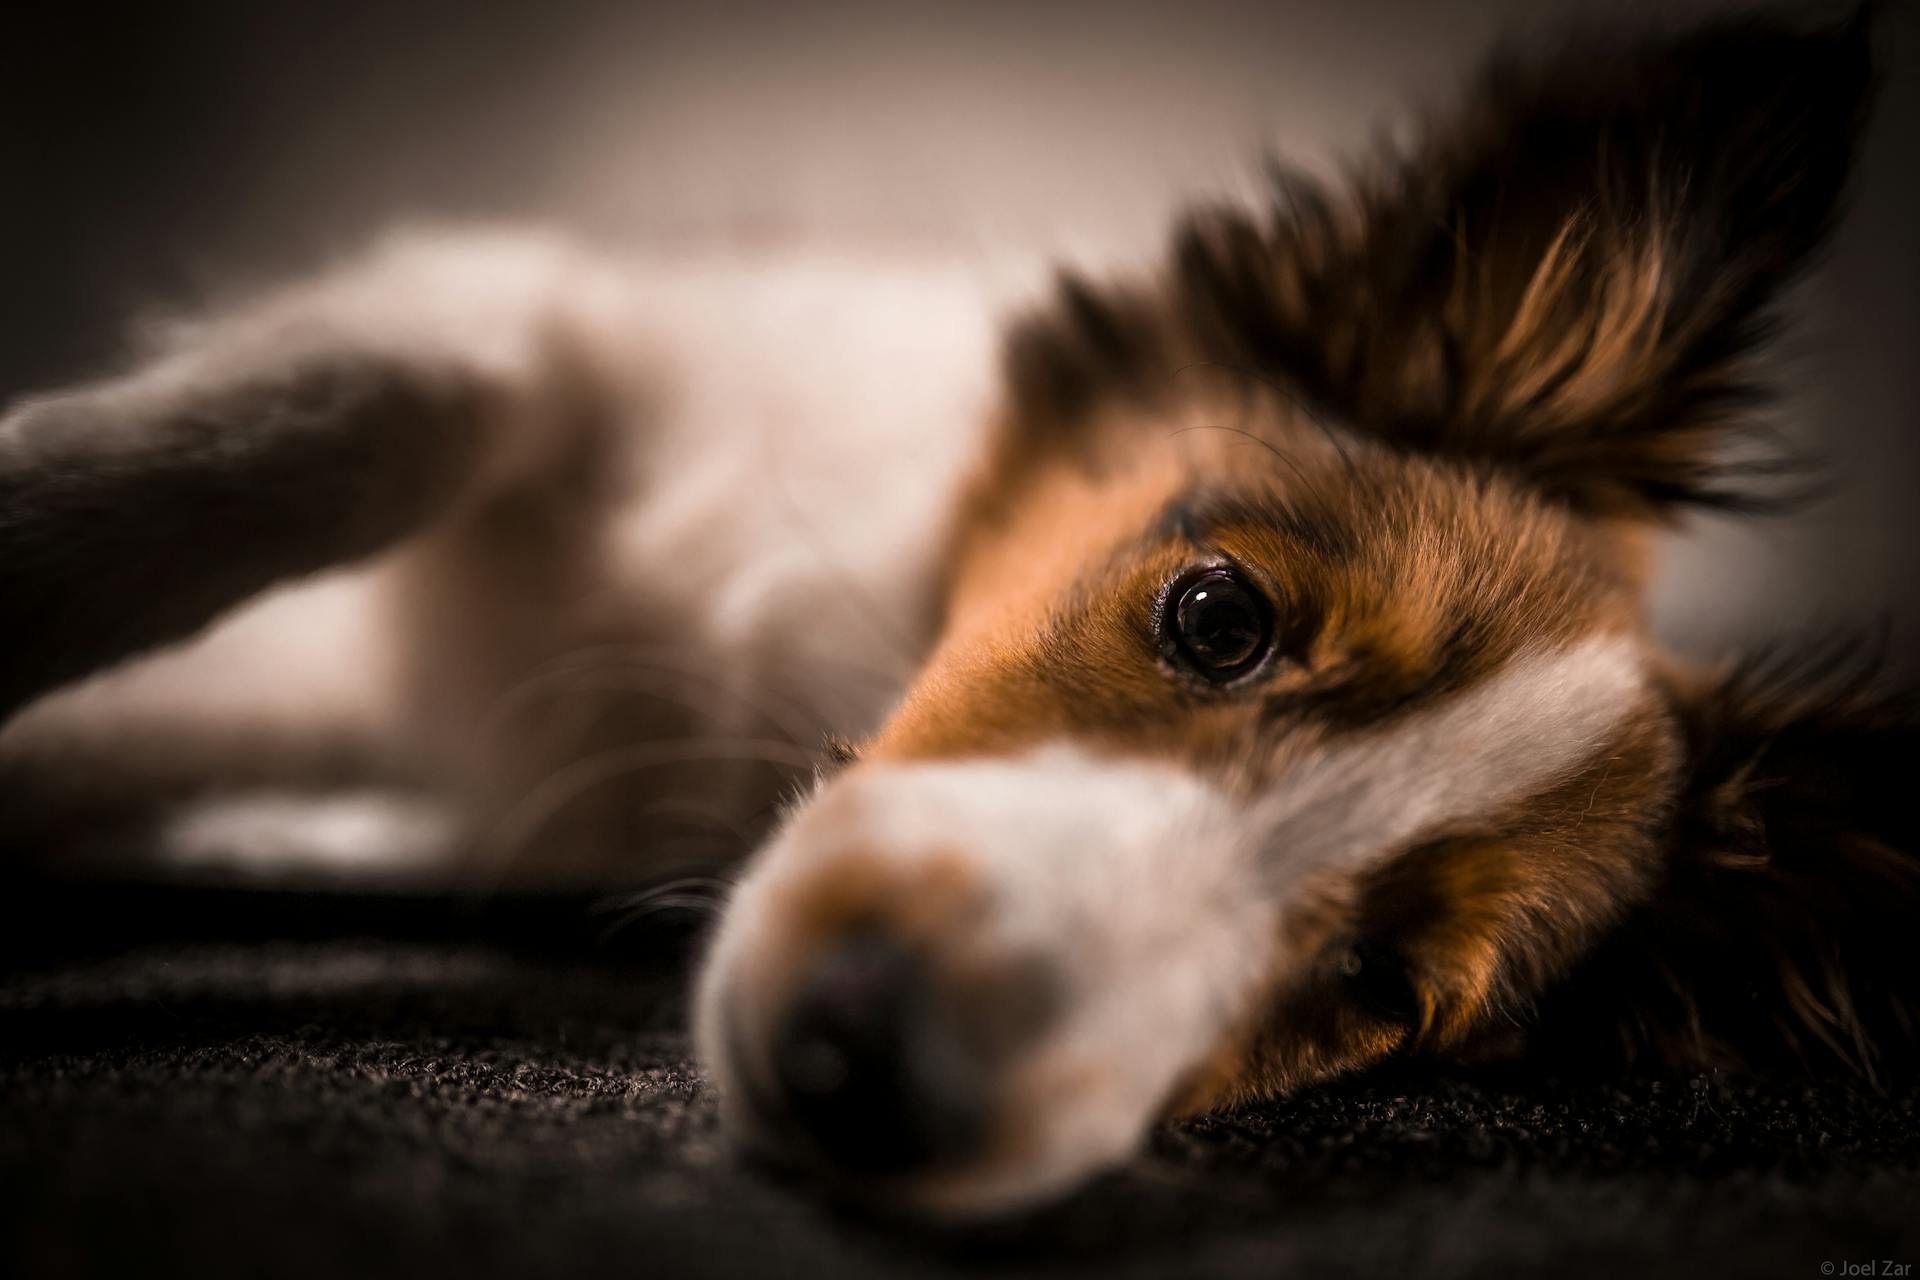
(1733, 888)
(1446, 949)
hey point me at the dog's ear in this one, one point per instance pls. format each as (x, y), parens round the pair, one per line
(1569, 278)
(1781, 932)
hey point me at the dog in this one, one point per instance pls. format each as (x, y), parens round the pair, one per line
(1243, 681)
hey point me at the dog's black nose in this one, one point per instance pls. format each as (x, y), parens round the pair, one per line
(870, 1069)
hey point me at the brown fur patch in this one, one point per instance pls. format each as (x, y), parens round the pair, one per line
(1393, 581)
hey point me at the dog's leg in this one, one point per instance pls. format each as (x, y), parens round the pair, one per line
(311, 428)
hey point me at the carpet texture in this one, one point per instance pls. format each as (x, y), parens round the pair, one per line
(214, 1084)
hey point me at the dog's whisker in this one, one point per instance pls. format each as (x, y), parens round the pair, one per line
(712, 885)
(670, 687)
(650, 673)
(515, 831)
(711, 814)
(1292, 397)
(867, 609)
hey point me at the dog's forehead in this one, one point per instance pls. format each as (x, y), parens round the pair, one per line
(1286, 489)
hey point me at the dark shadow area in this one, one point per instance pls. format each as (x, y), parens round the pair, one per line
(220, 1083)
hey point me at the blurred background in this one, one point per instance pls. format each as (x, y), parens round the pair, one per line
(211, 1081)
(148, 151)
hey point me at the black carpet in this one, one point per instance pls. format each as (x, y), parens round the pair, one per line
(215, 1084)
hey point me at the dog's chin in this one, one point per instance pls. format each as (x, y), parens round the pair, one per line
(1055, 1123)
(984, 1190)
(1063, 1129)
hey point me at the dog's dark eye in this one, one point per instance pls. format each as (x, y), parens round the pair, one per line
(1220, 626)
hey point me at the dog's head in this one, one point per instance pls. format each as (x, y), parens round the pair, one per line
(1294, 706)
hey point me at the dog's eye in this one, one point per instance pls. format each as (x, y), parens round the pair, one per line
(1221, 626)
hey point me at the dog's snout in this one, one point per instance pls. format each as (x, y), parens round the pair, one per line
(870, 1068)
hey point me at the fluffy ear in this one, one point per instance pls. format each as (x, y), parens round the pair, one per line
(1782, 932)
(1567, 280)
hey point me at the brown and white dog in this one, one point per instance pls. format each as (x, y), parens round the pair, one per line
(1250, 686)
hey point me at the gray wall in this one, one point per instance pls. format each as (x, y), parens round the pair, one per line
(147, 151)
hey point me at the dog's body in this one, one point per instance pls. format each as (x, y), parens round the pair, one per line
(706, 531)
(1252, 685)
